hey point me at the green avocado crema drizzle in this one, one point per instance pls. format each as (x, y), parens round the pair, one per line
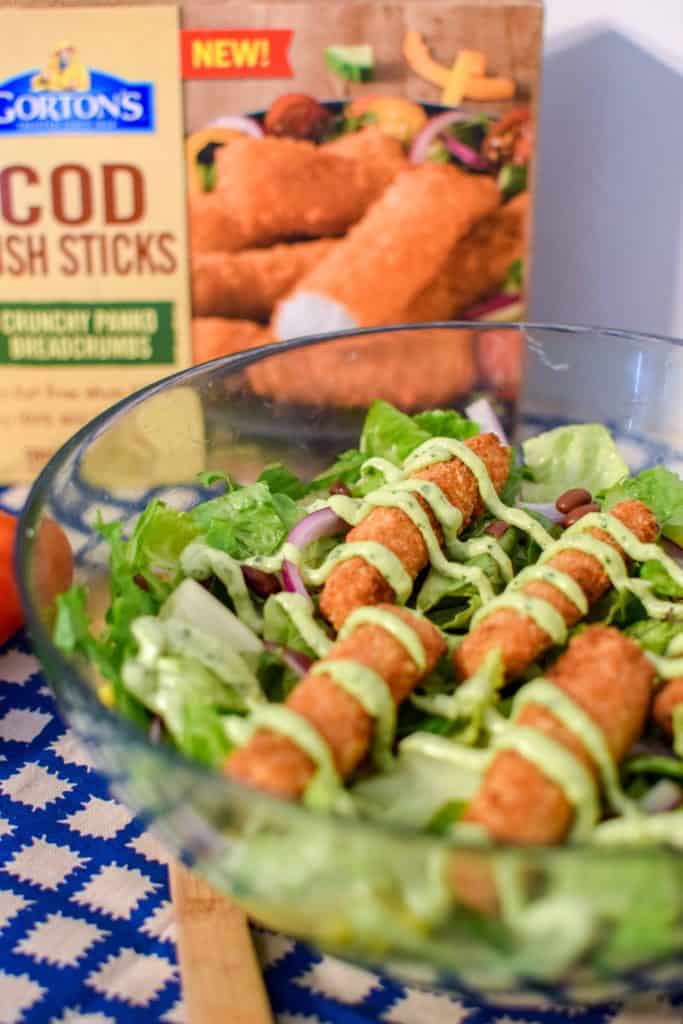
(364, 684)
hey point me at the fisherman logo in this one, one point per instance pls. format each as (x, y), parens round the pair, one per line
(66, 97)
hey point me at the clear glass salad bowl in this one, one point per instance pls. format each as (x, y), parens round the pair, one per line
(588, 923)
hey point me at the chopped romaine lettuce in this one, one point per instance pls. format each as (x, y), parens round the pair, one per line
(154, 548)
(393, 435)
(660, 489)
(662, 583)
(280, 480)
(514, 278)
(512, 180)
(202, 736)
(582, 455)
(279, 628)
(655, 634)
(246, 522)
(344, 470)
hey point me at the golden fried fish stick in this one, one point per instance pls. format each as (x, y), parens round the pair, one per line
(607, 675)
(355, 582)
(386, 259)
(213, 337)
(247, 284)
(211, 224)
(476, 267)
(410, 369)
(519, 638)
(281, 188)
(380, 156)
(669, 697)
(273, 762)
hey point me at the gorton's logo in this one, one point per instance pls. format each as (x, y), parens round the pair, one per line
(66, 97)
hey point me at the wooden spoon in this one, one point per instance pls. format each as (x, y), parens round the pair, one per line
(221, 976)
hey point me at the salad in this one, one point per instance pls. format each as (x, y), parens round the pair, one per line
(437, 631)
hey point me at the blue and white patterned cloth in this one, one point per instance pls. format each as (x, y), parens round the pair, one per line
(86, 926)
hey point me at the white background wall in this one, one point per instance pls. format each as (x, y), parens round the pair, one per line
(609, 209)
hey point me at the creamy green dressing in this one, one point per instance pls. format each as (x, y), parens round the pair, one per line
(440, 449)
(298, 609)
(199, 561)
(560, 766)
(374, 696)
(376, 555)
(666, 827)
(390, 623)
(536, 608)
(542, 691)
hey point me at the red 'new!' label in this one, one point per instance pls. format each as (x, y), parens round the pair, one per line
(235, 53)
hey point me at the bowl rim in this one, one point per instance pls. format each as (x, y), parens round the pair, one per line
(46, 649)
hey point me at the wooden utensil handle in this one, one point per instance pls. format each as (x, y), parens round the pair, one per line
(221, 977)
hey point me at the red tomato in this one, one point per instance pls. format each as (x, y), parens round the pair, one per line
(11, 615)
(53, 570)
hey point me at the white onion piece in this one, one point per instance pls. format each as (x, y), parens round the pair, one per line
(664, 796)
(245, 125)
(482, 413)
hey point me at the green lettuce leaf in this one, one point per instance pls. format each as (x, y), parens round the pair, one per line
(246, 522)
(655, 634)
(344, 470)
(280, 480)
(582, 455)
(655, 573)
(201, 735)
(155, 546)
(72, 634)
(661, 490)
(393, 435)
(446, 423)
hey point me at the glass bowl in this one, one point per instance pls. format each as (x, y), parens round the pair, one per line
(586, 923)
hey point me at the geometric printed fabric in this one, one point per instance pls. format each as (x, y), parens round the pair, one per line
(86, 926)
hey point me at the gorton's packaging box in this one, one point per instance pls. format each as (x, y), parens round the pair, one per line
(178, 182)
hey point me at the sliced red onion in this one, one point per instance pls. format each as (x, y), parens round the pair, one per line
(493, 308)
(292, 581)
(245, 125)
(482, 413)
(432, 130)
(322, 523)
(673, 551)
(465, 154)
(295, 660)
(543, 508)
(665, 795)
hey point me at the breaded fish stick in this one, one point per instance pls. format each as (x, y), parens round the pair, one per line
(668, 698)
(284, 188)
(211, 224)
(213, 337)
(519, 638)
(386, 260)
(273, 762)
(355, 582)
(247, 284)
(607, 675)
(379, 155)
(410, 369)
(476, 267)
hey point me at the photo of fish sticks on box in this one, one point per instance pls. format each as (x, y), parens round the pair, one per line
(315, 216)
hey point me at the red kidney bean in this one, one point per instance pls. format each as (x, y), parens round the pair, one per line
(262, 583)
(340, 488)
(573, 499)
(497, 528)
(579, 512)
(140, 581)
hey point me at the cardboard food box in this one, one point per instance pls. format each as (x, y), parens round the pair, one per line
(182, 181)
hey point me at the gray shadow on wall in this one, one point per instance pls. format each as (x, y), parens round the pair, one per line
(608, 221)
